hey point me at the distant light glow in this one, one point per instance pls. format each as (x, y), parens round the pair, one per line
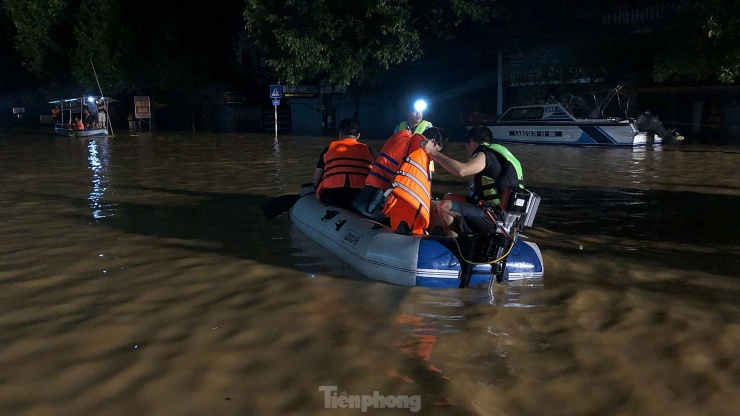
(420, 105)
(90, 99)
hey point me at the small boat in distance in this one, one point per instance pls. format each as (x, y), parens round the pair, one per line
(67, 111)
(572, 123)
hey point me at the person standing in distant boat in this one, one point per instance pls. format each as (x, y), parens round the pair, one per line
(102, 115)
(343, 166)
(415, 122)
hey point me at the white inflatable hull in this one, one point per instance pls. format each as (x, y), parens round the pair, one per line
(379, 253)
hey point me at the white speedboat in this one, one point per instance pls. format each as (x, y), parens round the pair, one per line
(575, 123)
(551, 123)
(377, 252)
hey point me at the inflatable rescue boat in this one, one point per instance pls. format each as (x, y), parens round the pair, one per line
(378, 252)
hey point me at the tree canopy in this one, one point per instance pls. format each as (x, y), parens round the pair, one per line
(341, 41)
(350, 41)
(131, 47)
(703, 43)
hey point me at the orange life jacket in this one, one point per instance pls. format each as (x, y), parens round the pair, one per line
(386, 165)
(410, 197)
(79, 125)
(347, 164)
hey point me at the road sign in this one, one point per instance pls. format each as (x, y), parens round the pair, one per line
(276, 91)
(275, 102)
(142, 106)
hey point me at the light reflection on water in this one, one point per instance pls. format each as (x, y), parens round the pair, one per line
(99, 158)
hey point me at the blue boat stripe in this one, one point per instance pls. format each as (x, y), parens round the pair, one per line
(597, 134)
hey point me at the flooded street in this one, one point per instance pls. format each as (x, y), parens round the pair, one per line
(138, 275)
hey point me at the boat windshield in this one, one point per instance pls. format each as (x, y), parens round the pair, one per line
(526, 113)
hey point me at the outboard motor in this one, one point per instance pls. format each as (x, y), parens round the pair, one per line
(517, 210)
(651, 124)
(519, 207)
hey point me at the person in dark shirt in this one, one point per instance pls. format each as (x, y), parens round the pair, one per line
(88, 119)
(343, 166)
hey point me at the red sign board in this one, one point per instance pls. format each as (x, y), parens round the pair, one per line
(142, 107)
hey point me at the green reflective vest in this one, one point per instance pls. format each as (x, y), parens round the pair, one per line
(488, 184)
(418, 130)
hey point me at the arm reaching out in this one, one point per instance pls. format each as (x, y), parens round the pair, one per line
(455, 167)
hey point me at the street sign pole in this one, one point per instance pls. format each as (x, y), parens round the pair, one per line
(276, 92)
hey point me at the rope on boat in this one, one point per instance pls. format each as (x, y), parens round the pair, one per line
(462, 257)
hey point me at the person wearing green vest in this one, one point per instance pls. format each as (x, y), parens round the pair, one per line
(414, 119)
(493, 169)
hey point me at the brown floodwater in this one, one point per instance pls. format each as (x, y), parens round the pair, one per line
(138, 276)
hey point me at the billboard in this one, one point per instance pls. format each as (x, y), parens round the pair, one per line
(142, 107)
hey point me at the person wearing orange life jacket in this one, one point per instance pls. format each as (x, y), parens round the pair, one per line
(343, 166)
(77, 124)
(389, 159)
(409, 199)
(369, 202)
